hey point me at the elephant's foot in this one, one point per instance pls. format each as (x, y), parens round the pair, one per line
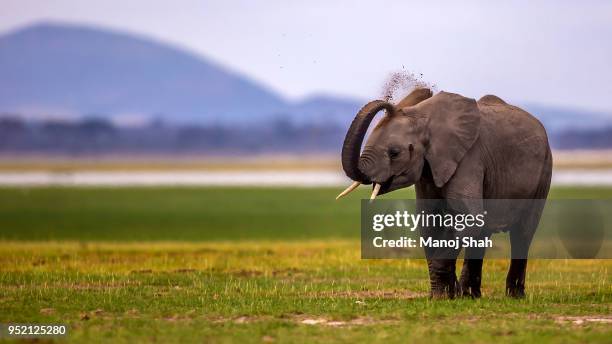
(470, 289)
(515, 281)
(471, 277)
(445, 288)
(514, 291)
(514, 288)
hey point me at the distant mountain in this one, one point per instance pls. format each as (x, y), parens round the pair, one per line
(53, 69)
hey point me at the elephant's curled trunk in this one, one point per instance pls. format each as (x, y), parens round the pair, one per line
(351, 149)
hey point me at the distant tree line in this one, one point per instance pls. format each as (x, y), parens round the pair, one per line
(583, 139)
(97, 135)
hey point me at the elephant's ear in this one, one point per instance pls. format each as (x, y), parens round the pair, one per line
(454, 123)
(415, 97)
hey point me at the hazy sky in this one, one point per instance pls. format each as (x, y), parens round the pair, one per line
(551, 52)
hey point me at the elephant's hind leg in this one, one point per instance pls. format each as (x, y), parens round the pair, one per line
(515, 282)
(520, 238)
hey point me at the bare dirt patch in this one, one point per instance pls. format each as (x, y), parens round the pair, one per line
(187, 316)
(304, 319)
(359, 321)
(247, 273)
(249, 319)
(373, 294)
(242, 319)
(184, 271)
(289, 272)
(99, 286)
(47, 311)
(143, 271)
(94, 286)
(96, 313)
(585, 319)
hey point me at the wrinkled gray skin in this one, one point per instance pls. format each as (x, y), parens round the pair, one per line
(452, 147)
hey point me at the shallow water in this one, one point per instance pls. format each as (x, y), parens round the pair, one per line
(237, 178)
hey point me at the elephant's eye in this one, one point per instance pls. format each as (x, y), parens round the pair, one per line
(393, 153)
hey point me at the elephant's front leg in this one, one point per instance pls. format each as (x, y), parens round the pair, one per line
(471, 276)
(441, 262)
(442, 278)
(471, 273)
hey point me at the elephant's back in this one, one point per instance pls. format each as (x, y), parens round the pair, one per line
(518, 150)
(509, 120)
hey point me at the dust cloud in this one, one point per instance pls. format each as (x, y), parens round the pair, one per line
(400, 83)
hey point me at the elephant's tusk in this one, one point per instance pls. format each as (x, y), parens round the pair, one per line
(375, 191)
(348, 190)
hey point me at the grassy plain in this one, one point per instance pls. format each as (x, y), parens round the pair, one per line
(260, 265)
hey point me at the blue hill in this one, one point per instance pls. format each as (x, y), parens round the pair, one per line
(53, 69)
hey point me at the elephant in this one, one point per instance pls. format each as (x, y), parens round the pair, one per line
(452, 147)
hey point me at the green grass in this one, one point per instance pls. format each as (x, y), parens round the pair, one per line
(251, 265)
(175, 214)
(186, 214)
